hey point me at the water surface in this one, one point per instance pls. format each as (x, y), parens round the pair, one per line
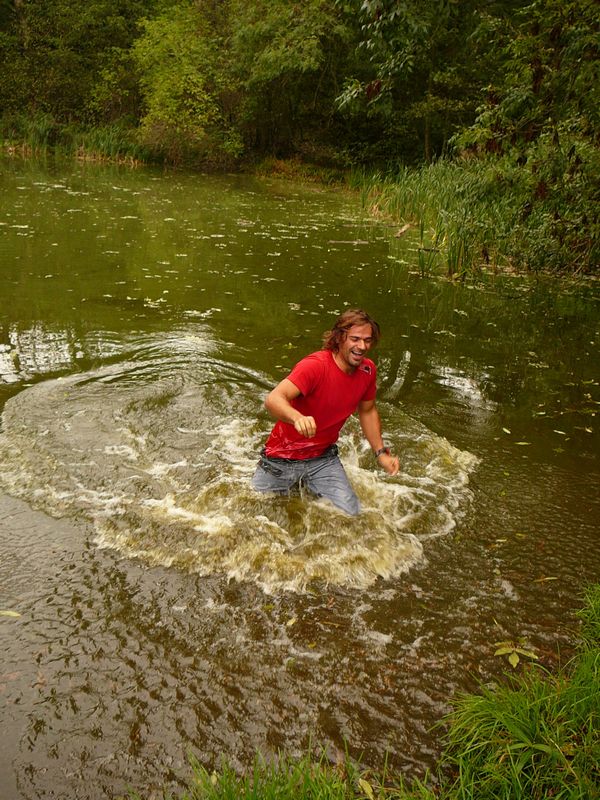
(165, 607)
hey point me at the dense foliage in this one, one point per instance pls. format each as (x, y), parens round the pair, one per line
(373, 84)
(357, 80)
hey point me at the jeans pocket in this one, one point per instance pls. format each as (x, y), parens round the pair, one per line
(269, 467)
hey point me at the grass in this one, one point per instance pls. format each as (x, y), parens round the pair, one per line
(460, 218)
(489, 213)
(300, 170)
(533, 738)
(309, 778)
(40, 134)
(537, 737)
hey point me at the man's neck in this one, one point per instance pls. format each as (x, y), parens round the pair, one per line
(343, 365)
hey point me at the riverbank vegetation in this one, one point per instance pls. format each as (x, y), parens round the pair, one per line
(500, 97)
(533, 737)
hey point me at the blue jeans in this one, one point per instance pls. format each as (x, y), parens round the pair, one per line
(324, 476)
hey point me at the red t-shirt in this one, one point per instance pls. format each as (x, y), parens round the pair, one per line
(330, 395)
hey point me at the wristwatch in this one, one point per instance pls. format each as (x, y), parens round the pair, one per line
(381, 451)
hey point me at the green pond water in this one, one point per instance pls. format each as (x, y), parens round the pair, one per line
(164, 607)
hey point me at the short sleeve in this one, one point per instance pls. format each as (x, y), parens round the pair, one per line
(371, 390)
(307, 374)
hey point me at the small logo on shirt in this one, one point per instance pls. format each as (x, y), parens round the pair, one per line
(366, 368)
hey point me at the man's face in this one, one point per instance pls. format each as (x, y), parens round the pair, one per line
(354, 346)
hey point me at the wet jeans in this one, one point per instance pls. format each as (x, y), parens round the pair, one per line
(324, 476)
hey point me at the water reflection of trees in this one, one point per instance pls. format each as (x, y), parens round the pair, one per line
(40, 350)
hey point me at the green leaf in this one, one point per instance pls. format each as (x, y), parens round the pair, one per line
(366, 788)
(527, 653)
(513, 659)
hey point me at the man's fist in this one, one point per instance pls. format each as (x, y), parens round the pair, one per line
(306, 426)
(390, 463)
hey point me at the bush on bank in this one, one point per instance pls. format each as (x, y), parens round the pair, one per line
(533, 738)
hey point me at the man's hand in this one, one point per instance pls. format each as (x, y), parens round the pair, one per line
(390, 463)
(306, 426)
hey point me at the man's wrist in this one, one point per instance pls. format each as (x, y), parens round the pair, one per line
(382, 451)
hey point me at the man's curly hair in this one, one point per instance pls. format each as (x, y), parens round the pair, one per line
(354, 316)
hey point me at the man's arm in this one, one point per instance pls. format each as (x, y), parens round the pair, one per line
(278, 404)
(371, 428)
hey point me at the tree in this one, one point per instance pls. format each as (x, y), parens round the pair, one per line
(287, 60)
(422, 65)
(179, 61)
(540, 122)
(53, 52)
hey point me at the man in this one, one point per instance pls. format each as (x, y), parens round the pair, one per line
(311, 406)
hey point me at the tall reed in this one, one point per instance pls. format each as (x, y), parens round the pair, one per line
(40, 134)
(483, 213)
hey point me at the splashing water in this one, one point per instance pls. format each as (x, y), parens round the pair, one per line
(159, 458)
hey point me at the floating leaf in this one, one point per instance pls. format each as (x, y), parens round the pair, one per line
(8, 613)
(523, 444)
(544, 578)
(402, 230)
(291, 622)
(506, 430)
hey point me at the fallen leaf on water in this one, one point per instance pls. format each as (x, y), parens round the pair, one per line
(543, 579)
(9, 614)
(291, 621)
(402, 230)
(506, 430)
(522, 444)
